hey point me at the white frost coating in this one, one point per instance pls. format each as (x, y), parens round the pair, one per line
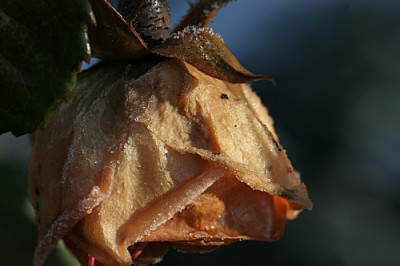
(65, 222)
(193, 32)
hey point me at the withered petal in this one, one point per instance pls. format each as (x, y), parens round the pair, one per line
(65, 222)
(226, 212)
(70, 171)
(205, 50)
(234, 133)
(157, 147)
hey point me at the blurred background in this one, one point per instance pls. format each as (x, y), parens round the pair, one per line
(337, 111)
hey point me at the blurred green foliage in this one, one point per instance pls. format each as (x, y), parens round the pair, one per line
(42, 46)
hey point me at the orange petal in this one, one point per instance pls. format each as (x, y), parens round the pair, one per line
(227, 211)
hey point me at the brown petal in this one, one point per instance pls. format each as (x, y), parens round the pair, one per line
(112, 37)
(134, 210)
(225, 124)
(227, 211)
(69, 171)
(206, 51)
(139, 154)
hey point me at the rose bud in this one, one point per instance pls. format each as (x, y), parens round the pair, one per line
(161, 152)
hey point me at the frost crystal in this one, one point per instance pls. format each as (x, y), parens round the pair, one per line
(193, 32)
(63, 223)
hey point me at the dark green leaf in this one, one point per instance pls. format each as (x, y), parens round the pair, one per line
(206, 51)
(42, 45)
(112, 37)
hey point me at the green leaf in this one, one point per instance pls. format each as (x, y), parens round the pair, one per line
(42, 45)
(206, 51)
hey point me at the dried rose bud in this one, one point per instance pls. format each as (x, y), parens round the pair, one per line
(172, 156)
(158, 152)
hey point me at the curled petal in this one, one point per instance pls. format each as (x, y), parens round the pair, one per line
(205, 50)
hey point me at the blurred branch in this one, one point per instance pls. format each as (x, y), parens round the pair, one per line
(201, 14)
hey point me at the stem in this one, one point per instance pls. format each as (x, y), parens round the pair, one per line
(150, 18)
(201, 14)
